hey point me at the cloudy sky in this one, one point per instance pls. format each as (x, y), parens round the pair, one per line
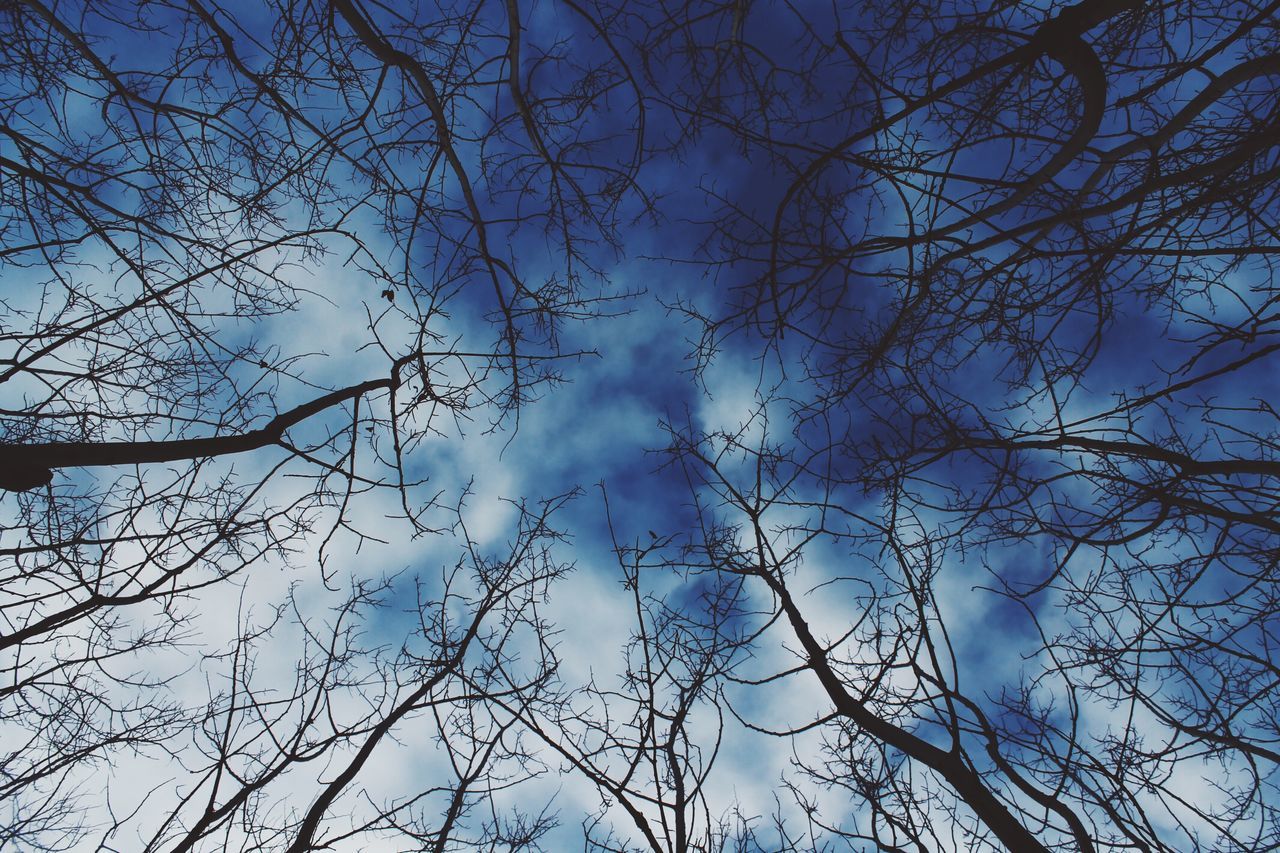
(958, 318)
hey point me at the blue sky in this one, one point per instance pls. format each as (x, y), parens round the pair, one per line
(754, 287)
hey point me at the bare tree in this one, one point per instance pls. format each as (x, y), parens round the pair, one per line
(253, 259)
(1011, 285)
(468, 649)
(1003, 522)
(649, 742)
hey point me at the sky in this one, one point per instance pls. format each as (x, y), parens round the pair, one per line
(695, 225)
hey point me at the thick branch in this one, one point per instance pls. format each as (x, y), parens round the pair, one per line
(1186, 464)
(27, 466)
(966, 782)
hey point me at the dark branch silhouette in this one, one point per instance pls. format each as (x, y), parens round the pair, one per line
(27, 466)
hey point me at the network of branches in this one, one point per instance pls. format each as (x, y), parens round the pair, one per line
(991, 561)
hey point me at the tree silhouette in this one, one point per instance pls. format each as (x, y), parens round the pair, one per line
(992, 285)
(182, 184)
(990, 563)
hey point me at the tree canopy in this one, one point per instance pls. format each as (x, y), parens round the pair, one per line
(639, 426)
